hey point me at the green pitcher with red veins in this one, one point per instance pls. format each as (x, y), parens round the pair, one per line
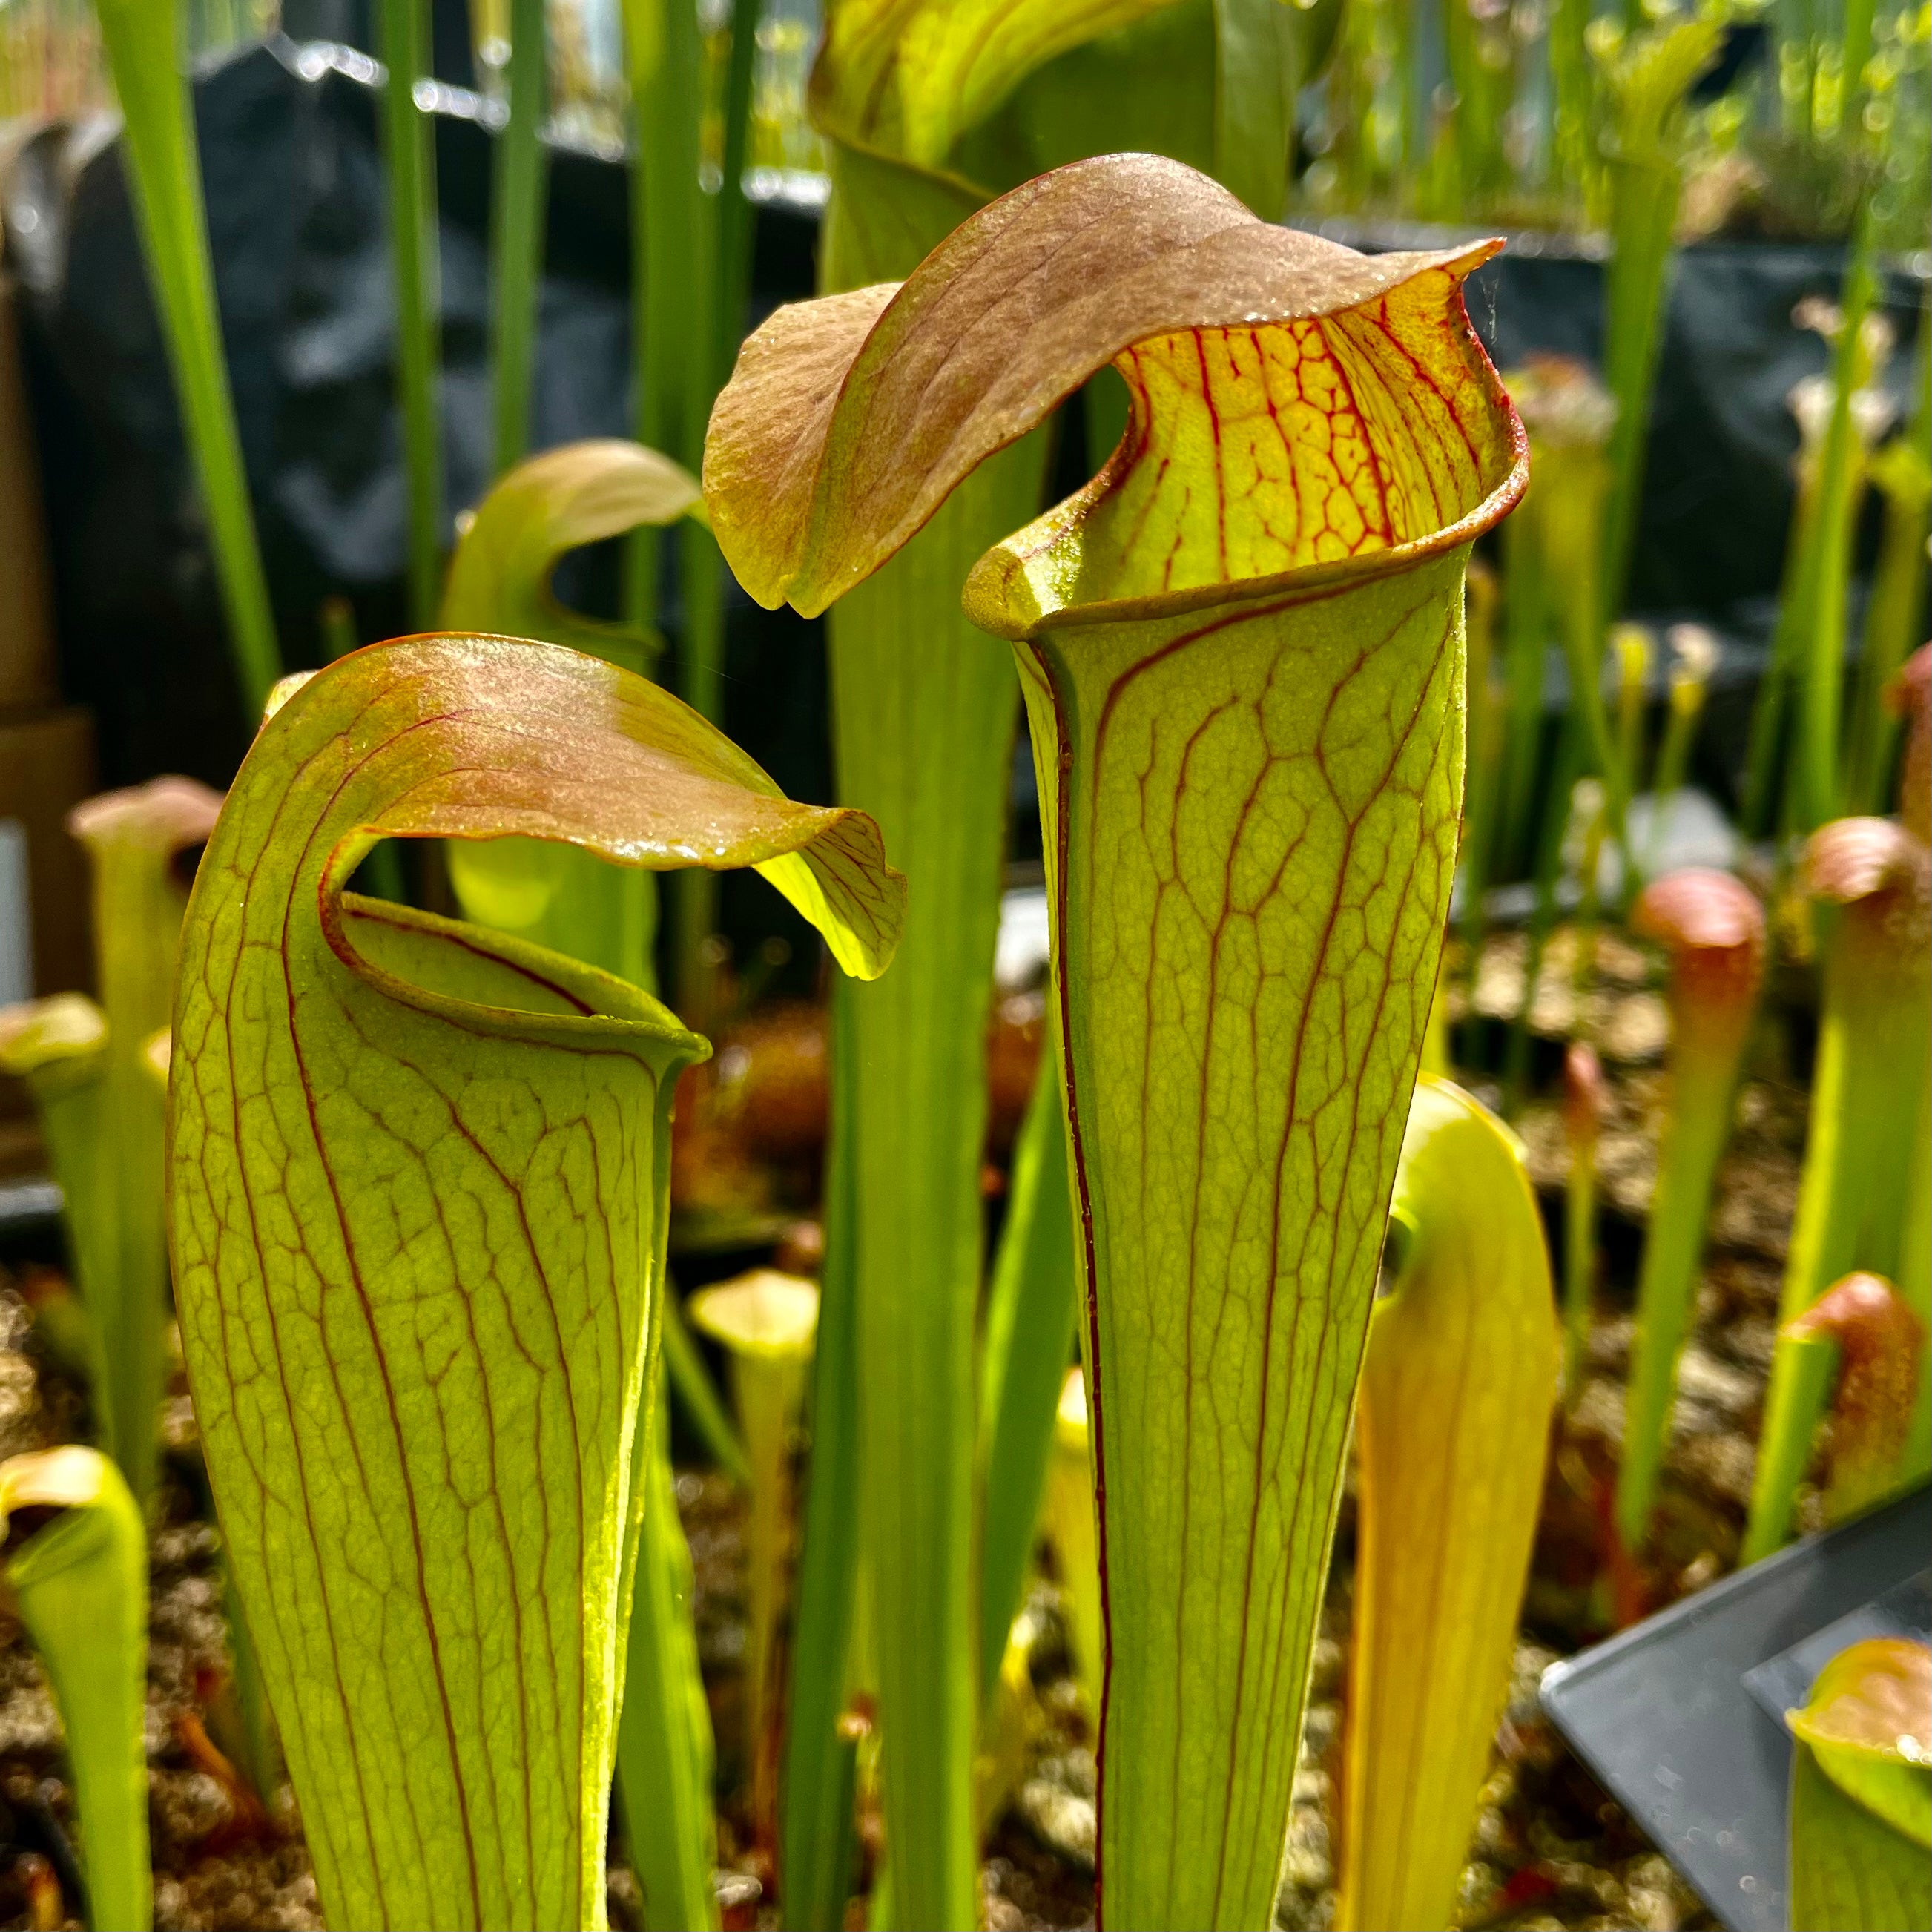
(1241, 648)
(418, 1180)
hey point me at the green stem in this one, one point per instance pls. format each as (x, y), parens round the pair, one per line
(765, 1319)
(817, 1835)
(1854, 51)
(1673, 759)
(1855, 1198)
(677, 260)
(734, 214)
(1643, 212)
(408, 153)
(516, 234)
(701, 685)
(1580, 1265)
(1569, 761)
(1634, 656)
(1693, 1144)
(1764, 756)
(1029, 1341)
(1525, 615)
(1827, 584)
(924, 739)
(663, 1733)
(1570, 70)
(1903, 470)
(141, 38)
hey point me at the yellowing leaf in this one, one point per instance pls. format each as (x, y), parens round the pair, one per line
(1242, 652)
(1452, 1428)
(418, 1175)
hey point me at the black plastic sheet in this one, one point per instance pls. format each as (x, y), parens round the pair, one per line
(294, 189)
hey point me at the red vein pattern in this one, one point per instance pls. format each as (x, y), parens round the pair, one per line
(1256, 818)
(417, 1186)
(1241, 649)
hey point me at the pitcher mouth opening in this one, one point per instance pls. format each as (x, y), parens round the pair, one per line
(1353, 491)
(1299, 411)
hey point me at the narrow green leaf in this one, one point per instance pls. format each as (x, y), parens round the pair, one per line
(1903, 472)
(680, 277)
(692, 1385)
(1714, 930)
(1452, 1428)
(1241, 649)
(766, 1321)
(665, 1743)
(517, 211)
(418, 1179)
(1825, 567)
(818, 1834)
(142, 41)
(1869, 1092)
(408, 161)
(925, 739)
(1259, 73)
(1031, 1310)
(81, 1585)
(1646, 80)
